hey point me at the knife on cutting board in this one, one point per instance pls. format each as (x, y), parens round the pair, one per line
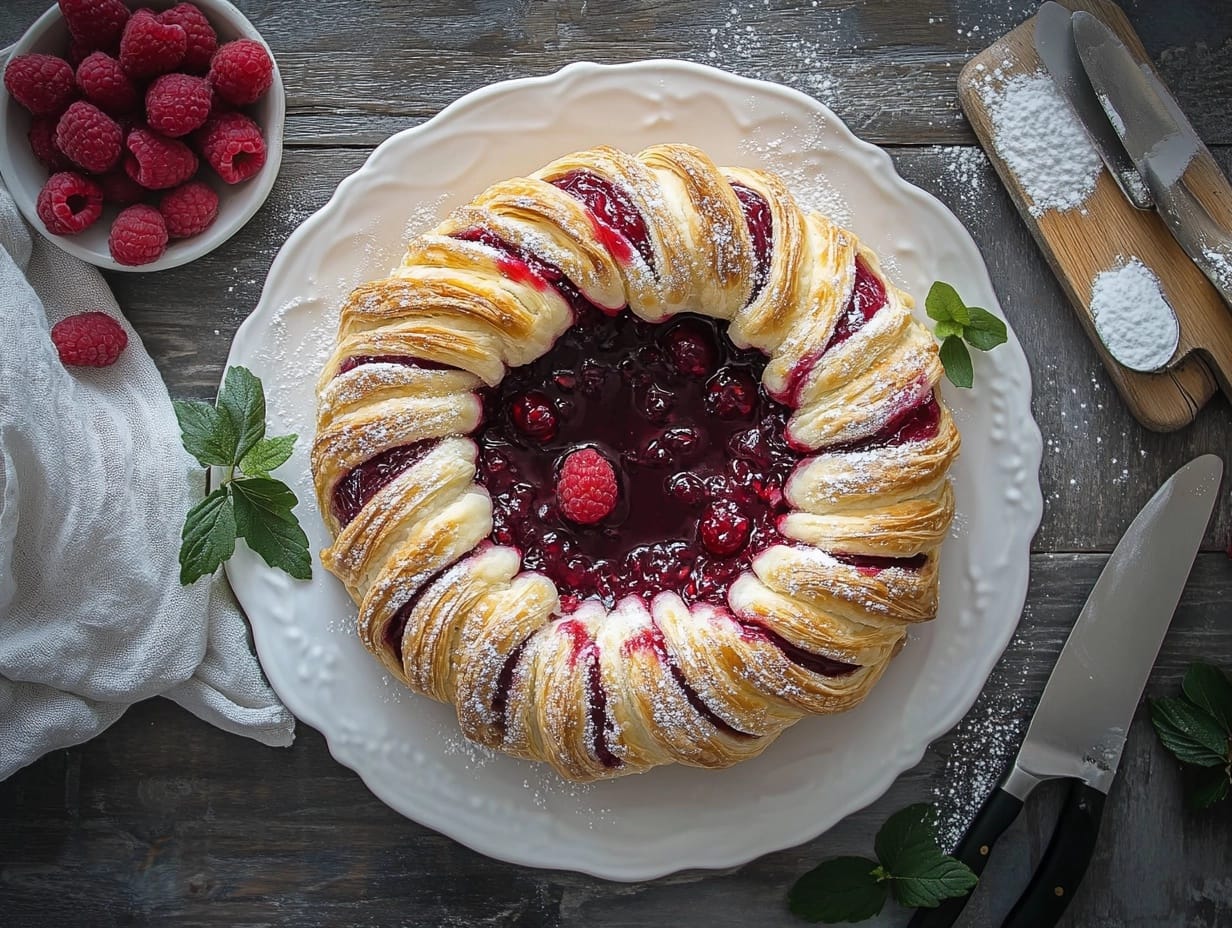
(1080, 726)
(1171, 160)
(1054, 42)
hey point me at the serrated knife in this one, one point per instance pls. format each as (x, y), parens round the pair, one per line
(1169, 156)
(1054, 42)
(1079, 728)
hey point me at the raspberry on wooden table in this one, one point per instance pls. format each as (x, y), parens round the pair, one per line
(157, 162)
(120, 189)
(233, 146)
(202, 39)
(241, 71)
(95, 23)
(43, 84)
(105, 84)
(89, 340)
(89, 137)
(189, 209)
(586, 488)
(149, 47)
(42, 136)
(176, 104)
(69, 203)
(138, 236)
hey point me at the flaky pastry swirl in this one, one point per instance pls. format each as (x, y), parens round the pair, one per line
(601, 692)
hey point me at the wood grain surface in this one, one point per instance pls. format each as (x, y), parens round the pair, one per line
(163, 820)
(1080, 244)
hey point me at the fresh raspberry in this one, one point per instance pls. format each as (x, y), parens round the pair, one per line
(202, 39)
(120, 189)
(149, 47)
(586, 487)
(43, 84)
(89, 137)
(724, 529)
(42, 136)
(233, 146)
(89, 340)
(157, 163)
(69, 203)
(176, 104)
(189, 209)
(138, 236)
(95, 23)
(241, 71)
(105, 84)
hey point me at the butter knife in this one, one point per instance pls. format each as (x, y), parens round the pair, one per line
(1164, 147)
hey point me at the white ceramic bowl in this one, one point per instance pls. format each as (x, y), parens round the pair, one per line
(24, 175)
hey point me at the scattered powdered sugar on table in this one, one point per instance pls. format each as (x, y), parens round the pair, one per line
(1221, 264)
(1133, 319)
(1039, 138)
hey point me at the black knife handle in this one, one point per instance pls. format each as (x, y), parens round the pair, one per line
(996, 815)
(1062, 867)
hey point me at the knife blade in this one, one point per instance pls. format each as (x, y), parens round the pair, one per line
(1079, 727)
(1162, 144)
(1054, 42)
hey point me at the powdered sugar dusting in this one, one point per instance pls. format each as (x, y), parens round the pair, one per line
(1133, 319)
(1039, 138)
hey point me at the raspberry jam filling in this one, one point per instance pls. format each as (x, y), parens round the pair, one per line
(524, 266)
(912, 424)
(404, 360)
(815, 663)
(760, 221)
(369, 478)
(585, 649)
(871, 565)
(397, 623)
(696, 444)
(618, 221)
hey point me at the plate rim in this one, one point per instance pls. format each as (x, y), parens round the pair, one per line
(897, 762)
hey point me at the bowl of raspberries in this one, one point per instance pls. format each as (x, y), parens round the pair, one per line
(139, 136)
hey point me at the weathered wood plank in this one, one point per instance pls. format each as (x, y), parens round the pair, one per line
(887, 68)
(164, 820)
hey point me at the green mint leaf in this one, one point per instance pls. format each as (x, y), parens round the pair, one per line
(908, 837)
(943, 304)
(931, 884)
(845, 889)
(206, 433)
(956, 360)
(1192, 734)
(1209, 688)
(944, 329)
(1212, 785)
(208, 537)
(264, 519)
(242, 400)
(985, 331)
(267, 455)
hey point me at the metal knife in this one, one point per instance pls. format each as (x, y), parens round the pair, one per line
(1163, 145)
(1079, 729)
(1054, 41)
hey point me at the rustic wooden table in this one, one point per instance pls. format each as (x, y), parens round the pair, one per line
(164, 820)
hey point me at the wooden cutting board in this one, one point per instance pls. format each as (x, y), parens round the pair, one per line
(1080, 243)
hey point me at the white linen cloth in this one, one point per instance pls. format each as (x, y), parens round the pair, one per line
(94, 486)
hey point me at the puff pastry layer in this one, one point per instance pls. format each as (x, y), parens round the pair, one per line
(596, 690)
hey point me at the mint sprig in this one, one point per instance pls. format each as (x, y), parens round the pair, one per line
(1197, 728)
(958, 325)
(910, 866)
(249, 503)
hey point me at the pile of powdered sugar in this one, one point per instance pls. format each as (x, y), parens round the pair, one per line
(1041, 141)
(1132, 317)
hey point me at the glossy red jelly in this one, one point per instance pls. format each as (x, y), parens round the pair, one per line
(614, 210)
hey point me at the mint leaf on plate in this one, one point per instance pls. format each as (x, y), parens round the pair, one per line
(242, 400)
(206, 433)
(208, 536)
(985, 331)
(267, 455)
(943, 304)
(264, 518)
(957, 362)
(844, 889)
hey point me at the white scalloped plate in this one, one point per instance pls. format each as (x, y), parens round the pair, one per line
(407, 748)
